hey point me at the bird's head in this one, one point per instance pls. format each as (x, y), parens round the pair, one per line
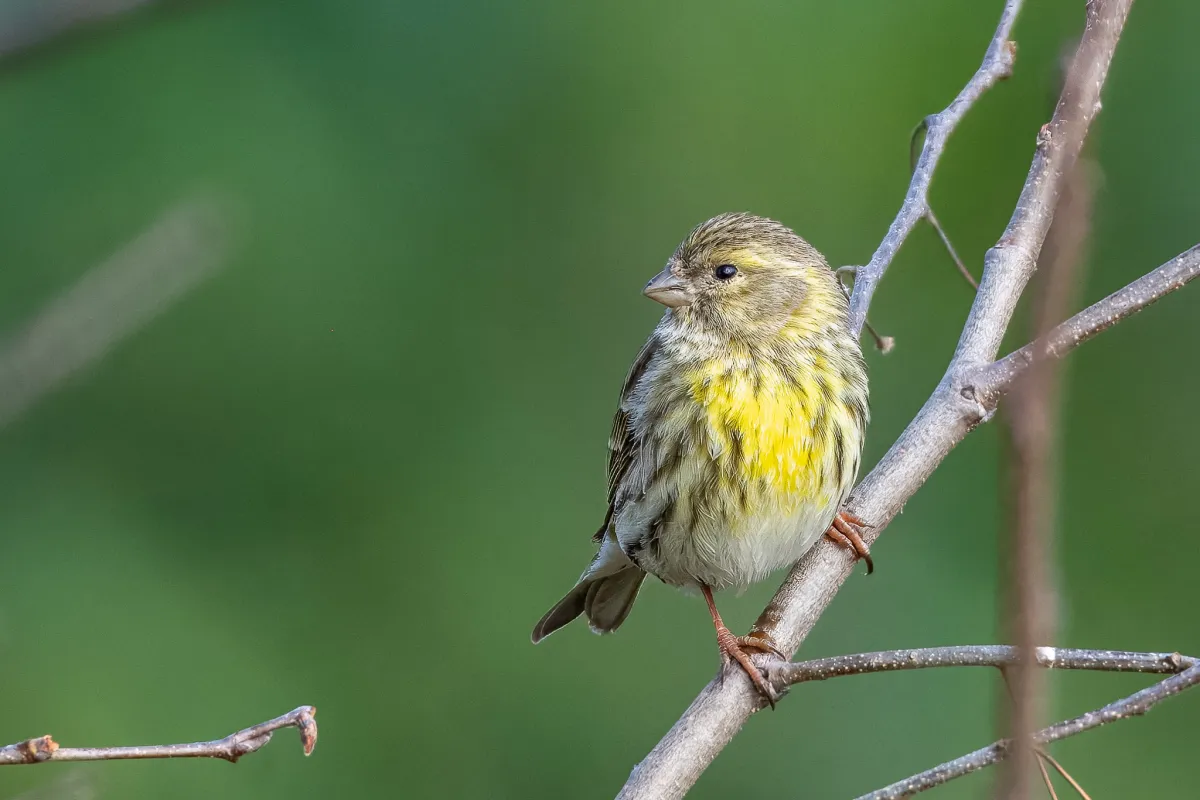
(744, 276)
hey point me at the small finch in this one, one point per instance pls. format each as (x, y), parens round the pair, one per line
(739, 431)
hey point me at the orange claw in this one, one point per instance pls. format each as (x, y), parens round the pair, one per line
(732, 648)
(845, 531)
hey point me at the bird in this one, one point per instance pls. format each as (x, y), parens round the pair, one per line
(739, 431)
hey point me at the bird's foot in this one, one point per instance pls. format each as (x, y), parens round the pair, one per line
(846, 530)
(734, 648)
(761, 642)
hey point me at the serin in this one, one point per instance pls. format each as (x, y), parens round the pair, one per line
(739, 430)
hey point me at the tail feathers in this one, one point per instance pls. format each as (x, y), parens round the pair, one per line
(610, 599)
(563, 612)
(606, 601)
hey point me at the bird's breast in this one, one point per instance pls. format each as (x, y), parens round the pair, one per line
(771, 431)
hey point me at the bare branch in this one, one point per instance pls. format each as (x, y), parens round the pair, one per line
(987, 655)
(994, 380)
(1134, 705)
(953, 410)
(997, 65)
(44, 749)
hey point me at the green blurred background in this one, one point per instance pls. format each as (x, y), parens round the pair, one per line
(354, 466)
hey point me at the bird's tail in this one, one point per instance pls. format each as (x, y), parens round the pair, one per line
(605, 599)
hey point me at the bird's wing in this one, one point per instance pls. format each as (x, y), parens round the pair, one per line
(622, 444)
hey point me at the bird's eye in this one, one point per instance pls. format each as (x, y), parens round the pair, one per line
(725, 271)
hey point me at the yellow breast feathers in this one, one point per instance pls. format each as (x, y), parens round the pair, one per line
(775, 432)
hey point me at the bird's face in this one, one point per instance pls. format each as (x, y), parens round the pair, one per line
(743, 275)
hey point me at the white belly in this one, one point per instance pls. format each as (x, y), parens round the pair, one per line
(708, 552)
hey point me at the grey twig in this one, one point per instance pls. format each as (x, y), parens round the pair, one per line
(987, 655)
(43, 748)
(1131, 706)
(997, 65)
(951, 412)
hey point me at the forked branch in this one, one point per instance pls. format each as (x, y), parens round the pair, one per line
(249, 740)
(997, 65)
(1131, 706)
(1184, 669)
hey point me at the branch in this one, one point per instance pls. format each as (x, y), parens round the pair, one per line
(994, 380)
(1134, 705)
(953, 410)
(231, 748)
(998, 656)
(997, 65)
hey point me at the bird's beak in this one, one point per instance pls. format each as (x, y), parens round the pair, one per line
(669, 290)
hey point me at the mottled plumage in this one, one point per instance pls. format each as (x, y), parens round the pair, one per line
(740, 424)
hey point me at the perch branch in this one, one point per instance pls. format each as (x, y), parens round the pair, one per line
(951, 412)
(997, 65)
(231, 748)
(1131, 706)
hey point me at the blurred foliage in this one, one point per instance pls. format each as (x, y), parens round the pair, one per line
(353, 468)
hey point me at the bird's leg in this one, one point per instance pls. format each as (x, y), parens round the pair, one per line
(732, 648)
(845, 530)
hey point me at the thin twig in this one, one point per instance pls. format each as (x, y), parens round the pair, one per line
(958, 262)
(1066, 775)
(914, 154)
(723, 706)
(1131, 706)
(883, 344)
(1046, 776)
(997, 65)
(44, 749)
